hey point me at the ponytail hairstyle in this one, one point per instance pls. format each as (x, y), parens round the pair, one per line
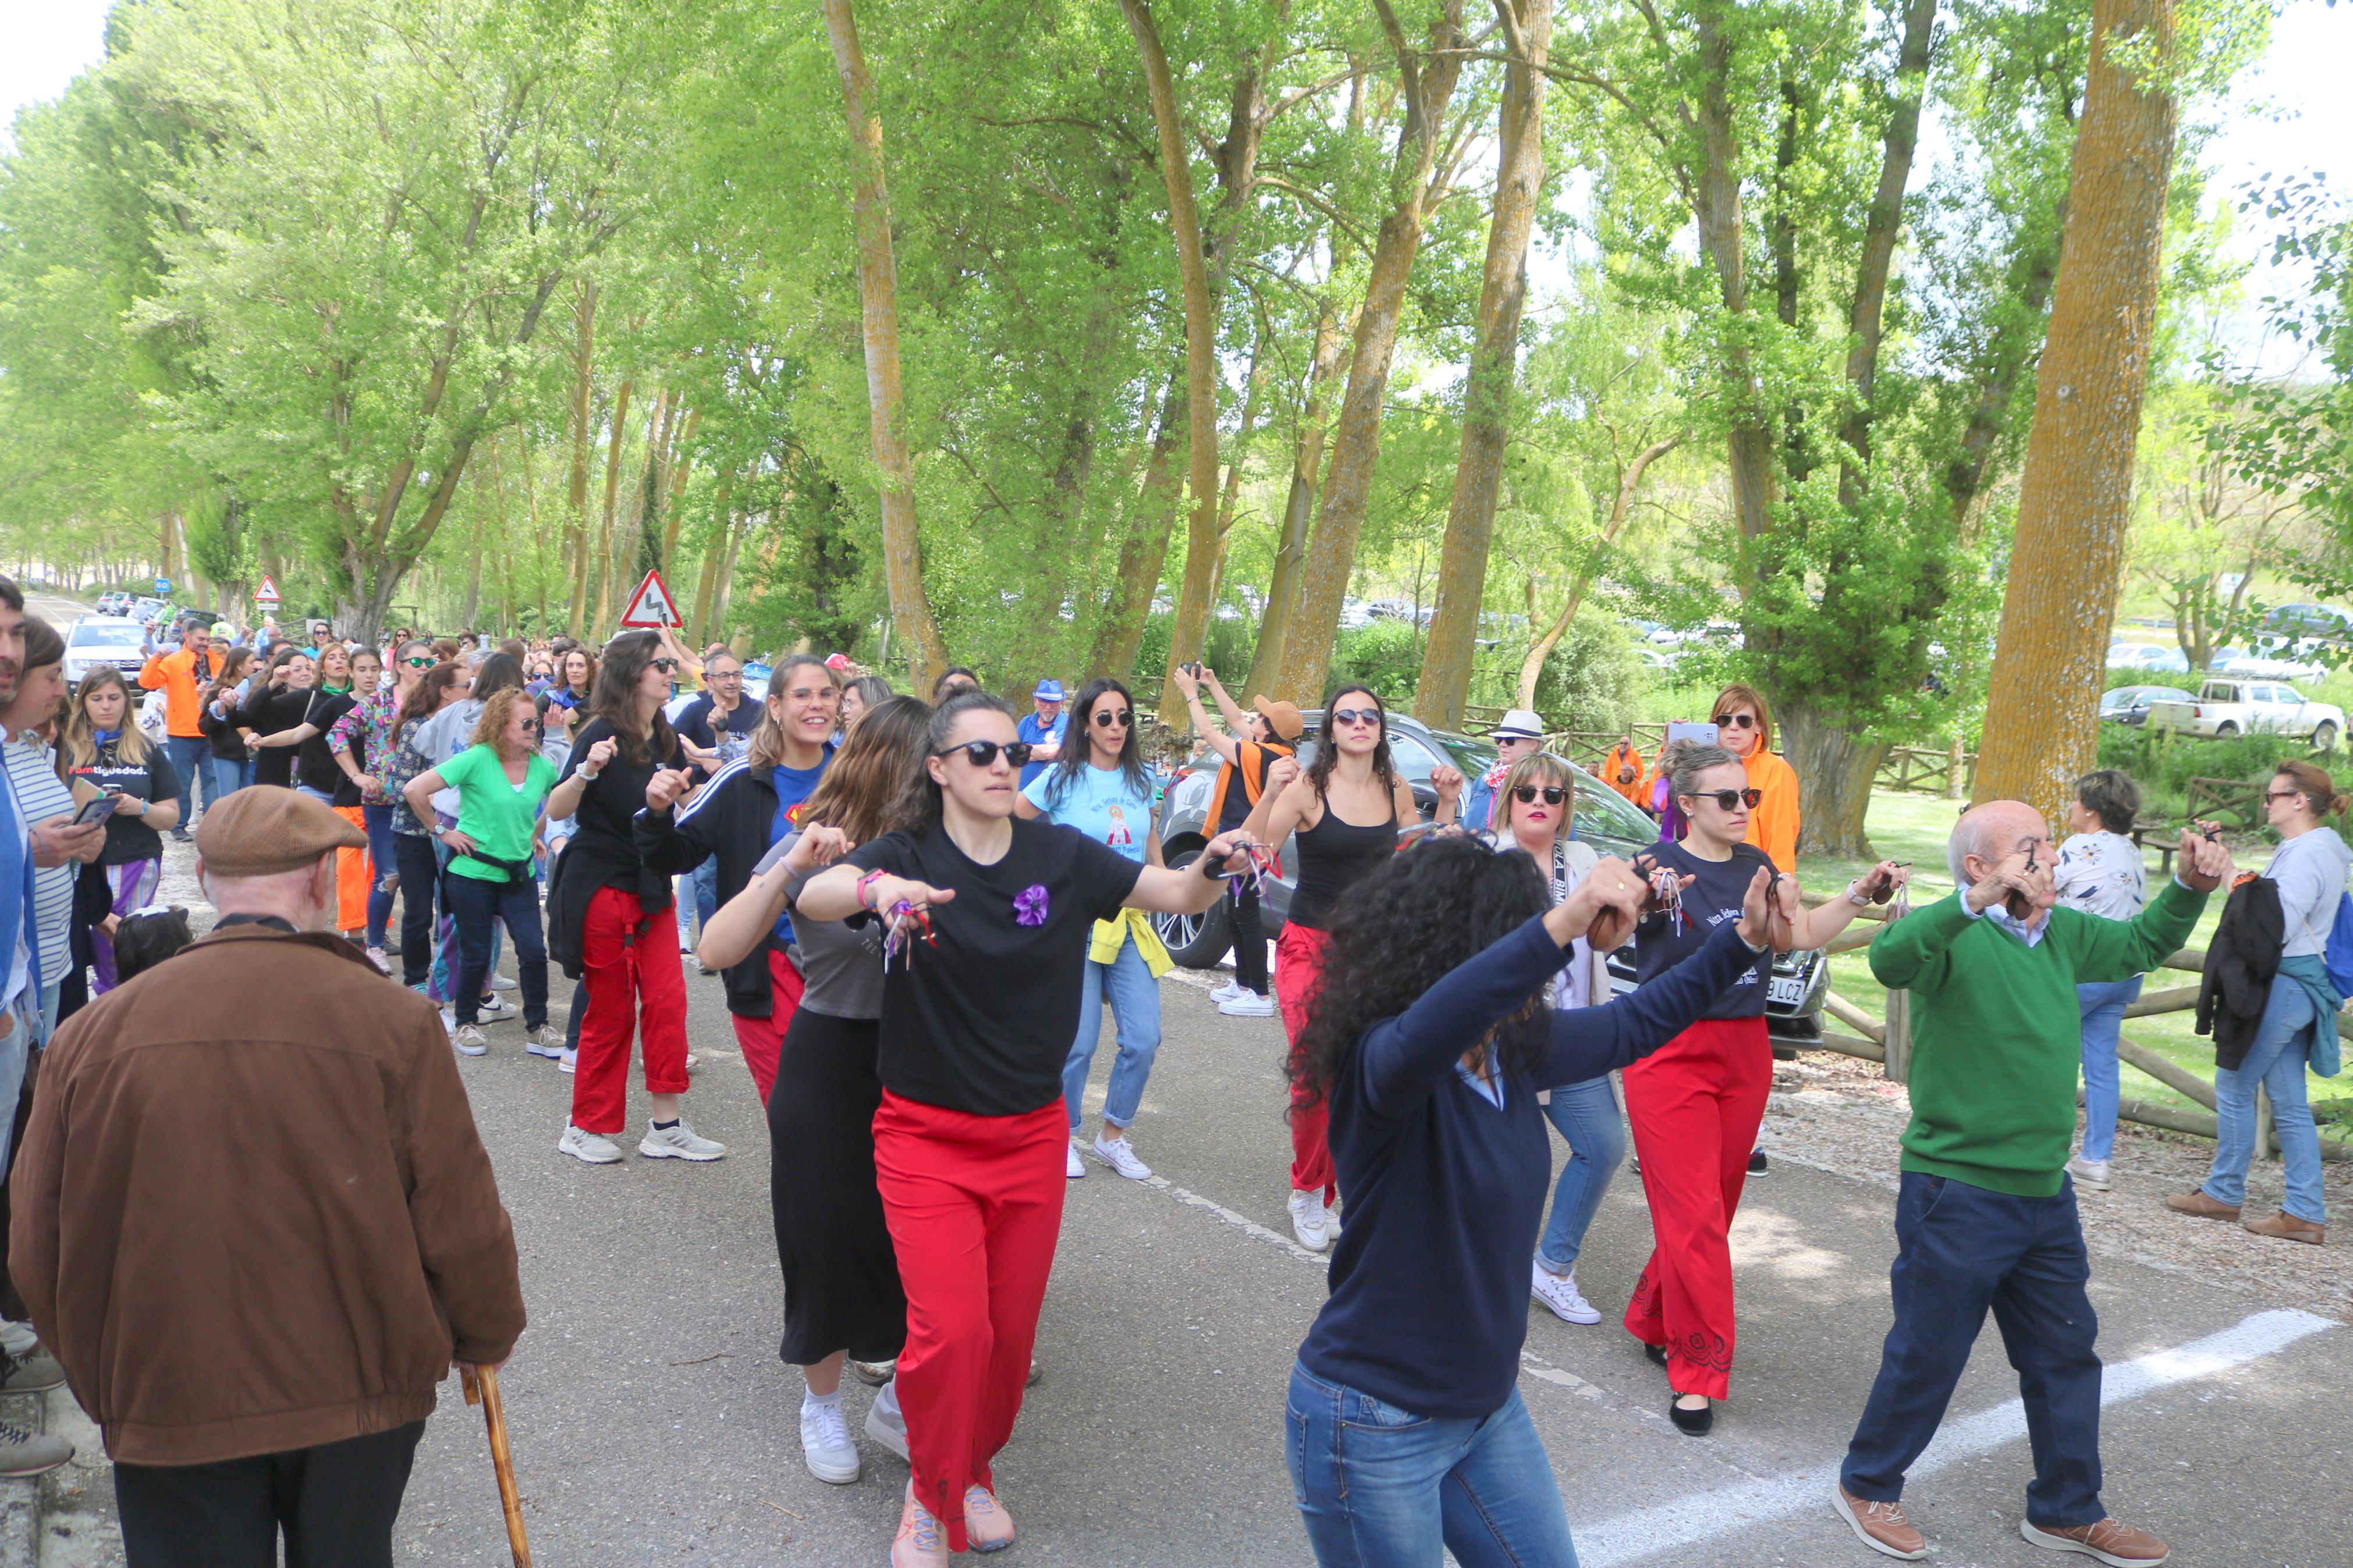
(767, 744)
(425, 698)
(2312, 781)
(1319, 772)
(1684, 769)
(1078, 752)
(919, 807)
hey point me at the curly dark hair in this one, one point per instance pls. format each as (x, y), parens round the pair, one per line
(1319, 769)
(1432, 907)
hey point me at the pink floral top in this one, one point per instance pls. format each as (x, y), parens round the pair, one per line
(369, 720)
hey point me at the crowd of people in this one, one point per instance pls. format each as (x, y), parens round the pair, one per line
(921, 909)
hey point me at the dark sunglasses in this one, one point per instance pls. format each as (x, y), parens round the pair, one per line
(2273, 795)
(984, 752)
(1553, 795)
(1734, 721)
(1356, 715)
(1728, 798)
(665, 665)
(1107, 718)
(426, 663)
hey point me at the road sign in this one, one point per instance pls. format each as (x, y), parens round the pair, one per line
(163, 584)
(651, 605)
(266, 593)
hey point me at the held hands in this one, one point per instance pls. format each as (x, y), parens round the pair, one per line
(2205, 862)
(663, 789)
(701, 756)
(1762, 922)
(1880, 883)
(1280, 774)
(886, 893)
(1603, 908)
(1224, 854)
(1186, 682)
(2032, 890)
(818, 846)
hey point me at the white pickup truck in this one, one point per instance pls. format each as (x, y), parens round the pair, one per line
(2251, 708)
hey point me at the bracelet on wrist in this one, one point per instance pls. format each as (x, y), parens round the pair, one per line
(865, 882)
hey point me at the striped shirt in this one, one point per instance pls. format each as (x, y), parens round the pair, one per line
(40, 794)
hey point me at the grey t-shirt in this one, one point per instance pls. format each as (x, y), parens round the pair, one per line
(2310, 870)
(842, 964)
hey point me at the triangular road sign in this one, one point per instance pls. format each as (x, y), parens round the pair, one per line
(266, 593)
(651, 605)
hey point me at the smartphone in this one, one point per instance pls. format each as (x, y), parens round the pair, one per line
(97, 810)
(1705, 734)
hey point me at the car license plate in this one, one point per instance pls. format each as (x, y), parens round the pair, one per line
(1785, 990)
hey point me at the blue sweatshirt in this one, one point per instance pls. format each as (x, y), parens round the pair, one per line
(1446, 1191)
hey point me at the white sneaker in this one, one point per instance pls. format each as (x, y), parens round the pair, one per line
(832, 1458)
(571, 1060)
(2093, 1174)
(493, 1007)
(1121, 1158)
(449, 1021)
(594, 1148)
(1228, 992)
(547, 1040)
(1559, 1293)
(381, 959)
(1249, 1004)
(679, 1142)
(1307, 1221)
(884, 1422)
(469, 1042)
(500, 983)
(1074, 1167)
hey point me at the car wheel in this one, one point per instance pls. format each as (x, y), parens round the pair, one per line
(1195, 942)
(2224, 731)
(2324, 736)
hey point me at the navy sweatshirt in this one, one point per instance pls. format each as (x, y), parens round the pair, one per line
(1446, 1191)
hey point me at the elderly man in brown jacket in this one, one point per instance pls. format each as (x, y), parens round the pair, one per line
(254, 1220)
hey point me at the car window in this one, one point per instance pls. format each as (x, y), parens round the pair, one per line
(2259, 694)
(1413, 759)
(86, 634)
(2217, 691)
(1602, 813)
(2290, 694)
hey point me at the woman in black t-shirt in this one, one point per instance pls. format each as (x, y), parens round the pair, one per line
(1694, 1104)
(979, 1012)
(102, 752)
(274, 706)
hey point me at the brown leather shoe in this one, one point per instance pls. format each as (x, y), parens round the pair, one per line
(2287, 1227)
(2111, 1540)
(1882, 1525)
(2198, 1206)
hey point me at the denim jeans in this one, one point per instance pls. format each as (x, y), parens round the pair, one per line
(1379, 1487)
(2103, 1007)
(413, 854)
(190, 756)
(477, 907)
(227, 777)
(2276, 1060)
(442, 981)
(18, 1024)
(1959, 1250)
(1135, 1017)
(383, 860)
(705, 878)
(1587, 1115)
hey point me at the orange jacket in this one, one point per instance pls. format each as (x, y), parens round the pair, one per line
(1773, 826)
(1625, 756)
(176, 673)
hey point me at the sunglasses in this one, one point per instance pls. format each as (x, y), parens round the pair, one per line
(1734, 721)
(984, 752)
(2273, 795)
(1553, 795)
(1356, 715)
(418, 663)
(1107, 719)
(1729, 798)
(665, 665)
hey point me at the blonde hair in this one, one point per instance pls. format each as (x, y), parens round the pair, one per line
(1535, 768)
(77, 744)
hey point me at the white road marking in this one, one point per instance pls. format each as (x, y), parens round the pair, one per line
(1631, 1537)
(1242, 1222)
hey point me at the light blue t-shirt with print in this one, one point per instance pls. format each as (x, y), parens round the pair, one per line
(1099, 803)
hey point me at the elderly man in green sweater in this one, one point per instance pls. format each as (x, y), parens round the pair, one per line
(1986, 1218)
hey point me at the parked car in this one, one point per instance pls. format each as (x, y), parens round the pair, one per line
(2246, 707)
(2131, 655)
(113, 602)
(2129, 704)
(2262, 667)
(2165, 661)
(2309, 620)
(96, 641)
(1603, 819)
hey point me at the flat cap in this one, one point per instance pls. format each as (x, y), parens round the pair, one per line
(262, 829)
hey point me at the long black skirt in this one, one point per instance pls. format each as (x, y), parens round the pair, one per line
(841, 1276)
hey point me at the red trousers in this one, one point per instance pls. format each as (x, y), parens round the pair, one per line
(627, 955)
(1694, 1104)
(975, 1205)
(761, 1038)
(1298, 971)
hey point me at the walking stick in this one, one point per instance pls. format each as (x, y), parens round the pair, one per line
(481, 1386)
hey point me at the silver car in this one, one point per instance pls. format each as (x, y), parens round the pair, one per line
(97, 640)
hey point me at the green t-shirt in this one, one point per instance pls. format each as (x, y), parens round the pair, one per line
(494, 811)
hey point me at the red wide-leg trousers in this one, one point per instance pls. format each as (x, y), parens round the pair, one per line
(1694, 1104)
(1298, 971)
(763, 1038)
(975, 1205)
(628, 956)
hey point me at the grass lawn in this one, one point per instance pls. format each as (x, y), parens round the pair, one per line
(1911, 827)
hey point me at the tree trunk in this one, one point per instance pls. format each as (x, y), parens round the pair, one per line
(1748, 441)
(1834, 770)
(1446, 661)
(583, 443)
(681, 465)
(878, 290)
(2042, 711)
(727, 582)
(1299, 506)
(1623, 507)
(698, 625)
(647, 557)
(1144, 549)
(599, 629)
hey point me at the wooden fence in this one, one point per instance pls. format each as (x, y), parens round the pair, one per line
(1888, 1041)
(1920, 768)
(2227, 800)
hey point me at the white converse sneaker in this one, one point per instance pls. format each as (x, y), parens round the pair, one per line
(594, 1148)
(381, 959)
(2097, 1174)
(470, 1041)
(1307, 1221)
(1074, 1167)
(1249, 1004)
(1558, 1292)
(1228, 992)
(884, 1422)
(1121, 1158)
(831, 1456)
(679, 1141)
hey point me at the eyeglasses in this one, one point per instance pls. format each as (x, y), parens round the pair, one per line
(1728, 798)
(984, 752)
(1106, 719)
(426, 663)
(665, 665)
(1741, 721)
(1553, 795)
(723, 675)
(1356, 715)
(2273, 795)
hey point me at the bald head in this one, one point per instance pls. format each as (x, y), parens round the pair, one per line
(1990, 833)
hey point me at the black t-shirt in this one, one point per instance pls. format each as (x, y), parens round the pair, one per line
(981, 1020)
(609, 805)
(315, 760)
(700, 725)
(128, 838)
(267, 712)
(1715, 898)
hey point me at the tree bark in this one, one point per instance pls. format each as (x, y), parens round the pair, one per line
(1834, 769)
(681, 465)
(1144, 548)
(1717, 203)
(583, 442)
(878, 288)
(1447, 658)
(1299, 506)
(1629, 479)
(603, 542)
(2075, 494)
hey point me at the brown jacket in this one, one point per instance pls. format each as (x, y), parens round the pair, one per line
(251, 1211)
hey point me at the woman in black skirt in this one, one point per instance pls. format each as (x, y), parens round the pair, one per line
(842, 1279)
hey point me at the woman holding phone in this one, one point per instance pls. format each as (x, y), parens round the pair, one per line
(105, 756)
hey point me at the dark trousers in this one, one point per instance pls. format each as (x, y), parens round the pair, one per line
(476, 905)
(384, 859)
(191, 758)
(413, 854)
(1249, 940)
(336, 1504)
(1959, 1250)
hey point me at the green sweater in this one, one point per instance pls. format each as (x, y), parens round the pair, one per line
(1996, 1033)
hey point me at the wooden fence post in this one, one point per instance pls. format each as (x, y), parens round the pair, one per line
(1898, 1068)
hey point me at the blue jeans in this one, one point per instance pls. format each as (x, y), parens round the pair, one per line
(1587, 1115)
(1960, 1249)
(1379, 1487)
(419, 867)
(228, 777)
(705, 878)
(18, 1025)
(1136, 1015)
(191, 758)
(383, 860)
(2276, 1060)
(2103, 1007)
(479, 906)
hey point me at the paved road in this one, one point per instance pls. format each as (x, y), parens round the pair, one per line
(652, 1422)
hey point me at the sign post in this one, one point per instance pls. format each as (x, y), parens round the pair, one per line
(651, 605)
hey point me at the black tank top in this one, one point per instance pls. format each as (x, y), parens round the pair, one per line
(1335, 856)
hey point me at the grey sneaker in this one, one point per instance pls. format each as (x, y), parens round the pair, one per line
(679, 1142)
(568, 1059)
(547, 1040)
(470, 1041)
(885, 1425)
(493, 1008)
(500, 983)
(34, 1374)
(2097, 1174)
(594, 1148)
(826, 1447)
(28, 1453)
